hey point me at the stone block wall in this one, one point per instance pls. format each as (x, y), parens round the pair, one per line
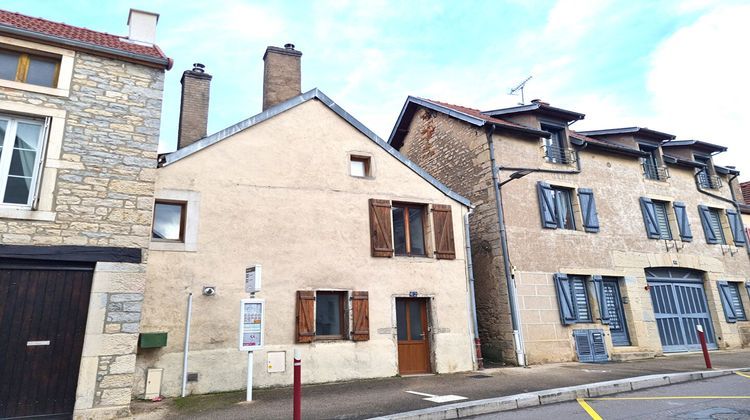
(101, 185)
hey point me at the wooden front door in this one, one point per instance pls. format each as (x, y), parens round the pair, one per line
(413, 336)
(43, 311)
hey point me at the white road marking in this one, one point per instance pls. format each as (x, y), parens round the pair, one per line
(438, 398)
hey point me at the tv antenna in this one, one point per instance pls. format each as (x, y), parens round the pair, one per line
(520, 87)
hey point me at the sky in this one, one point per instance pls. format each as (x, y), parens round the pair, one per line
(681, 67)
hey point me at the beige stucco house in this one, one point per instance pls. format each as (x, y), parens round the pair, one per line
(79, 129)
(362, 253)
(603, 245)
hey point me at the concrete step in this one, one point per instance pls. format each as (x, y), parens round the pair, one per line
(632, 355)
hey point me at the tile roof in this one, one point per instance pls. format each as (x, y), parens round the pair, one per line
(75, 33)
(745, 186)
(476, 114)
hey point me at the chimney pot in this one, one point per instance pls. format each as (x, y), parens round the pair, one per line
(539, 101)
(196, 89)
(142, 26)
(282, 77)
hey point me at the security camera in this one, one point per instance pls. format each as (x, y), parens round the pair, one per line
(209, 290)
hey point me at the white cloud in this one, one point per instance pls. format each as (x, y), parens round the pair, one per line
(699, 86)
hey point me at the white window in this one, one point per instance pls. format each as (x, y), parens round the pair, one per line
(21, 150)
(359, 166)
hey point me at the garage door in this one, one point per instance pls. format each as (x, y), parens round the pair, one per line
(43, 310)
(679, 306)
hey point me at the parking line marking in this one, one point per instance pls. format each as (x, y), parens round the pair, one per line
(688, 397)
(591, 412)
(743, 374)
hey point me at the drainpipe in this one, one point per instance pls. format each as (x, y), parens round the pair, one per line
(512, 300)
(472, 296)
(187, 344)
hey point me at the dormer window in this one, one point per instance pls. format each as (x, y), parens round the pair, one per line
(706, 176)
(652, 167)
(34, 69)
(556, 146)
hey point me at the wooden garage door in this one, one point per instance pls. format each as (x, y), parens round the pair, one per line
(43, 310)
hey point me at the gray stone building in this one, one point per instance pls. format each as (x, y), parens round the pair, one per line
(618, 243)
(79, 126)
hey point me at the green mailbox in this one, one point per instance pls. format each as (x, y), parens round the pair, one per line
(153, 340)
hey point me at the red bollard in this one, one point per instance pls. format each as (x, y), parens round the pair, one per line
(702, 339)
(297, 385)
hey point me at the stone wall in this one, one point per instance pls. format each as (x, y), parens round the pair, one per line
(100, 180)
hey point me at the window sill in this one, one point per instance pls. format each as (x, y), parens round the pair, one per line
(165, 245)
(34, 88)
(20, 213)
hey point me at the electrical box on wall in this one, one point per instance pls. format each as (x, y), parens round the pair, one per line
(253, 278)
(276, 361)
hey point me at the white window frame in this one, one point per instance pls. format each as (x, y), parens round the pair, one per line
(7, 156)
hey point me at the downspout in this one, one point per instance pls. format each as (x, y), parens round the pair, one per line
(514, 315)
(733, 201)
(472, 296)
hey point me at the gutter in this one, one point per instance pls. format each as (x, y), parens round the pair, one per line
(510, 282)
(472, 294)
(165, 62)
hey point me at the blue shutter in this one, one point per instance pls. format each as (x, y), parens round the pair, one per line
(547, 205)
(726, 302)
(564, 299)
(683, 224)
(600, 300)
(735, 225)
(597, 345)
(706, 222)
(583, 346)
(588, 208)
(747, 287)
(649, 218)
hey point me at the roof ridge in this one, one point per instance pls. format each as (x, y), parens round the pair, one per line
(61, 23)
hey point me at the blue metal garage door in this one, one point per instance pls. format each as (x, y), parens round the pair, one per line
(679, 306)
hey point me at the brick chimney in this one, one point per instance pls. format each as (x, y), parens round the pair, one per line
(196, 86)
(282, 77)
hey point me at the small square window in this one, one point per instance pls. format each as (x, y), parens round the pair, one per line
(169, 221)
(359, 166)
(329, 315)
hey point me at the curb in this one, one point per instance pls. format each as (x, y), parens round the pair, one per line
(556, 395)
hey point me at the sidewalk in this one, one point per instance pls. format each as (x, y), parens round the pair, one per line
(378, 397)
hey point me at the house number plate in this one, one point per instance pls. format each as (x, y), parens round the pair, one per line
(413, 294)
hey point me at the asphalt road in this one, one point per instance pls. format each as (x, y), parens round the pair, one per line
(726, 397)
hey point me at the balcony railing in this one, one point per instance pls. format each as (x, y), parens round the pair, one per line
(651, 171)
(705, 180)
(557, 154)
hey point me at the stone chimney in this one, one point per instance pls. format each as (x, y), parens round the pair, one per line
(282, 77)
(142, 26)
(196, 86)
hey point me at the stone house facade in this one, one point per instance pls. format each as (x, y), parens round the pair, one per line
(619, 242)
(79, 126)
(362, 254)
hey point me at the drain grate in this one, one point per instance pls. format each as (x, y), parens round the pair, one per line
(480, 376)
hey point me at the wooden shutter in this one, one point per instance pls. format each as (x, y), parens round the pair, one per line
(583, 346)
(380, 228)
(564, 299)
(726, 302)
(547, 205)
(705, 214)
(735, 225)
(442, 217)
(649, 218)
(601, 299)
(305, 316)
(680, 212)
(598, 346)
(588, 208)
(360, 316)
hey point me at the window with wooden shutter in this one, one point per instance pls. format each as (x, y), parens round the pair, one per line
(731, 301)
(547, 206)
(580, 299)
(564, 299)
(662, 220)
(445, 247)
(683, 224)
(588, 210)
(649, 218)
(735, 225)
(360, 316)
(305, 316)
(711, 221)
(380, 228)
(601, 299)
